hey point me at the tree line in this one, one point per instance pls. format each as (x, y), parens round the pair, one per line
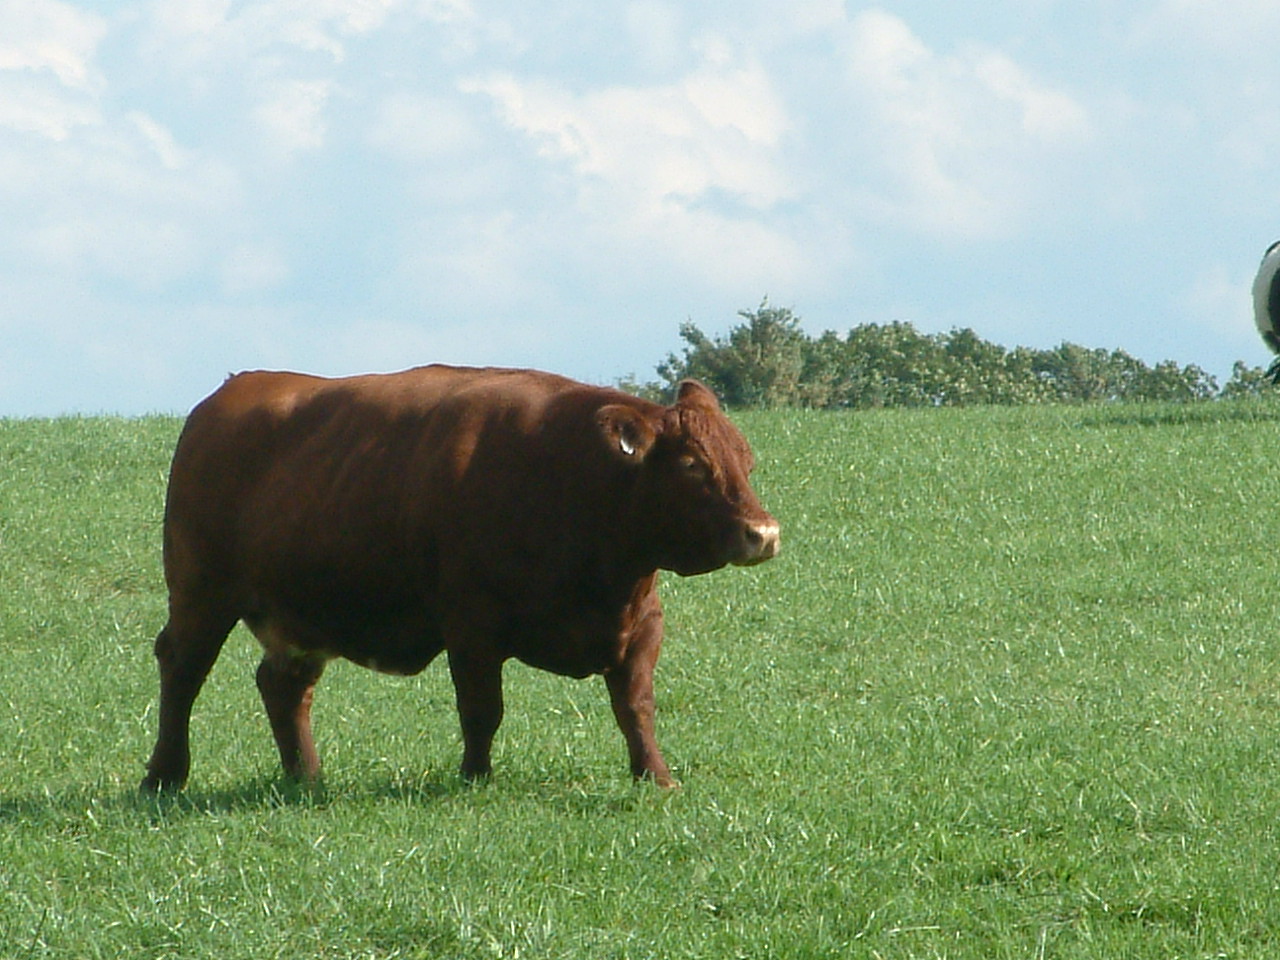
(767, 360)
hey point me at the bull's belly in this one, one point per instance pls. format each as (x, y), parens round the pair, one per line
(403, 645)
(567, 649)
(571, 639)
(575, 639)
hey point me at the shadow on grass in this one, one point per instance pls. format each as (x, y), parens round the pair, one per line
(269, 793)
(562, 786)
(62, 808)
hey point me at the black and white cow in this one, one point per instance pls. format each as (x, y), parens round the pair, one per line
(1266, 304)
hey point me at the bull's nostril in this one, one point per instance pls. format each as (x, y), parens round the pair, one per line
(761, 542)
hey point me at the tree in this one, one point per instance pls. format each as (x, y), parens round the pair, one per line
(759, 364)
(1247, 382)
(769, 361)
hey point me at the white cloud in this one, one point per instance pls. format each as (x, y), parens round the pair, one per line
(962, 140)
(41, 35)
(715, 130)
(44, 108)
(120, 201)
(291, 115)
(1228, 26)
(197, 31)
(1218, 67)
(146, 251)
(250, 268)
(416, 127)
(277, 66)
(742, 257)
(805, 16)
(1047, 115)
(681, 172)
(162, 142)
(479, 258)
(1219, 300)
(656, 31)
(49, 81)
(219, 37)
(320, 25)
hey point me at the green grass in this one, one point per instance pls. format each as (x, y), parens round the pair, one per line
(1012, 691)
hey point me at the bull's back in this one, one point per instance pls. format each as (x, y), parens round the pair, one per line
(274, 471)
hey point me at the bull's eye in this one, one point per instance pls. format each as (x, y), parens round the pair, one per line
(693, 468)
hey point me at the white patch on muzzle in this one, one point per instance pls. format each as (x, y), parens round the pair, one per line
(761, 542)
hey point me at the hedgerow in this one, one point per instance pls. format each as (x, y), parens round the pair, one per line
(769, 361)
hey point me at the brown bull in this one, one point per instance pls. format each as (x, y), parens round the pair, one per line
(487, 513)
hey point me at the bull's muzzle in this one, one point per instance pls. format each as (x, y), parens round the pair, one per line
(761, 541)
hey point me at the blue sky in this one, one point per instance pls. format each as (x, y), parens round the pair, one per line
(194, 187)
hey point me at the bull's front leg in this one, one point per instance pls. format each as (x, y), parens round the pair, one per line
(631, 694)
(477, 682)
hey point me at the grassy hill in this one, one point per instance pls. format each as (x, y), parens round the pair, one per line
(1013, 690)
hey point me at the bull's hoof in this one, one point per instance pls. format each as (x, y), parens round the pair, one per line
(152, 784)
(663, 781)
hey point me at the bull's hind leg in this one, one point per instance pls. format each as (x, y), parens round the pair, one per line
(287, 683)
(185, 652)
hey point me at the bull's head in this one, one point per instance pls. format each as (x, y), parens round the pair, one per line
(693, 497)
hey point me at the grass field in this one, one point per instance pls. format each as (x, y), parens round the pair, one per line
(1012, 691)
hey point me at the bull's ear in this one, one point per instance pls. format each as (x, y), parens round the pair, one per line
(626, 430)
(693, 393)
